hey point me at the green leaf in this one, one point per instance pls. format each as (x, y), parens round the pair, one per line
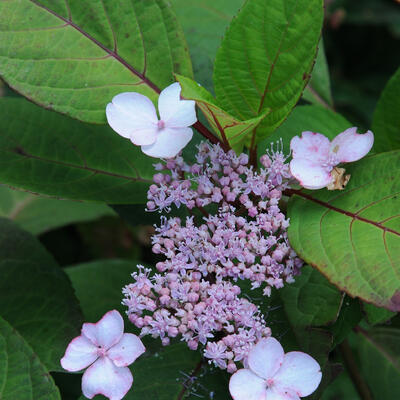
(379, 354)
(353, 236)
(22, 375)
(204, 23)
(349, 317)
(105, 278)
(38, 214)
(386, 120)
(376, 315)
(36, 296)
(227, 127)
(163, 376)
(74, 57)
(311, 303)
(45, 152)
(311, 300)
(318, 90)
(307, 118)
(266, 58)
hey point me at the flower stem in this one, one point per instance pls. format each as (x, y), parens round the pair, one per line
(209, 135)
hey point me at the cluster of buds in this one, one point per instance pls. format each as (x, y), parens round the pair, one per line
(241, 235)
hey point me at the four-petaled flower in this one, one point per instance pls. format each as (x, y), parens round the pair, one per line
(108, 350)
(314, 156)
(273, 375)
(134, 116)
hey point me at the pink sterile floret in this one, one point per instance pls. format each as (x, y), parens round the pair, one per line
(133, 116)
(273, 375)
(108, 350)
(314, 156)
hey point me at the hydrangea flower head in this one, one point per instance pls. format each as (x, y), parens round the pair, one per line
(133, 116)
(315, 156)
(273, 375)
(107, 351)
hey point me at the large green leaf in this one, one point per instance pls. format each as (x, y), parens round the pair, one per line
(106, 278)
(386, 121)
(376, 315)
(74, 56)
(22, 375)
(379, 355)
(353, 236)
(229, 129)
(36, 296)
(38, 214)
(266, 57)
(45, 152)
(204, 23)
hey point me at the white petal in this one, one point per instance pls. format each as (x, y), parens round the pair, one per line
(176, 113)
(299, 373)
(244, 385)
(133, 116)
(103, 377)
(266, 357)
(311, 146)
(169, 143)
(107, 332)
(80, 353)
(350, 146)
(127, 350)
(310, 175)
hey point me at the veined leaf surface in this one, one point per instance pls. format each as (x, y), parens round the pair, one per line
(353, 236)
(74, 56)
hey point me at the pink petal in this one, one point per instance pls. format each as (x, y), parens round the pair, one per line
(299, 373)
(133, 116)
(176, 113)
(273, 394)
(244, 385)
(350, 146)
(169, 143)
(107, 332)
(310, 175)
(103, 377)
(127, 350)
(80, 353)
(266, 357)
(311, 146)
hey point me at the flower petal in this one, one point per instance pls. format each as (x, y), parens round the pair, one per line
(309, 174)
(169, 143)
(107, 332)
(266, 357)
(350, 146)
(103, 377)
(176, 113)
(80, 353)
(311, 146)
(133, 116)
(299, 373)
(244, 385)
(127, 350)
(273, 394)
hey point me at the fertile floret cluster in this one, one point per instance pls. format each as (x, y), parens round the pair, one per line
(185, 304)
(240, 236)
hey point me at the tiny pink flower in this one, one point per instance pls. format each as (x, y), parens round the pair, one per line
(273, 375)
(108, 351)
(133, 116)
(314, 156)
